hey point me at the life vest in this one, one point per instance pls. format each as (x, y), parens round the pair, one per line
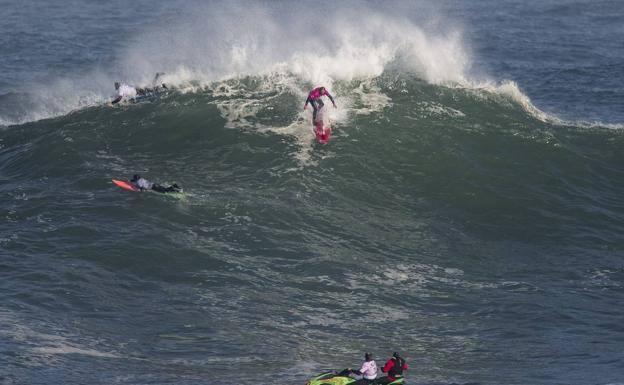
(397, 368)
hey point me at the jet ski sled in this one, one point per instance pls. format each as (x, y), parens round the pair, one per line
(342, 378)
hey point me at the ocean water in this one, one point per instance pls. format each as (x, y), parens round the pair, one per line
(467, 212)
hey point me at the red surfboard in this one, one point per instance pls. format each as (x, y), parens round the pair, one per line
(126, 185)
(323, 133)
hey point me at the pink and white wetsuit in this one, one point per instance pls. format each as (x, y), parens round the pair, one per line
(314, 98)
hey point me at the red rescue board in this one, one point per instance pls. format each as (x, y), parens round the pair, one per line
(126, 185)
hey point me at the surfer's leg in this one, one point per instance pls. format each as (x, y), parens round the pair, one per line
(319, 106)
(160, 189)
(315, 108)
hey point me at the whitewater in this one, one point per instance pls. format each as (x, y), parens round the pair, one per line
(286, 50)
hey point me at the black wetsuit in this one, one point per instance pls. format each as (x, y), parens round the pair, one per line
(148, 90)
(317, 104)
(145, 184)
(163, 189)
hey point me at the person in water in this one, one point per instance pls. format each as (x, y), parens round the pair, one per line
(144, 184)
(368, 371)
(395, 367)
(314, 98)
(126, 91)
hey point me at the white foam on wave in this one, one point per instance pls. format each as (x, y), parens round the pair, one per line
(510, 90)
(223, 40)
(212, 42)
(208, 43)
(371, 99)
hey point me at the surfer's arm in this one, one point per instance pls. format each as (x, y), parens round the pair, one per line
(117, 99)
(306, 103)
(330, 98)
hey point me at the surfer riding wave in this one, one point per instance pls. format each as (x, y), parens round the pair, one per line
(314, 98)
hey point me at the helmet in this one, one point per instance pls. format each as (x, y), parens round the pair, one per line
(136, 177)
(368, 356)
(117, 85)
(396, 355)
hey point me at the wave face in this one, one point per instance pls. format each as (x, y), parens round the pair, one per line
(450, 217)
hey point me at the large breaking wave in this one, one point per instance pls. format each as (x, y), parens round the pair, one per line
(288, 47)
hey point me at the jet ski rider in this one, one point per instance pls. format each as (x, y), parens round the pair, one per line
(368, 371)
(394, 367)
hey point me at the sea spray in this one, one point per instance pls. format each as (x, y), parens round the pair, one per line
(226, 40)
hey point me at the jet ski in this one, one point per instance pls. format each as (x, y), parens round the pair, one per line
(342, 378)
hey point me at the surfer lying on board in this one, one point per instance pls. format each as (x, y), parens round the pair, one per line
(314, 98)
(144, 184)
(126, 91)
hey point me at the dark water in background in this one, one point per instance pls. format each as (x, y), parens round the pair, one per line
(468, 211)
